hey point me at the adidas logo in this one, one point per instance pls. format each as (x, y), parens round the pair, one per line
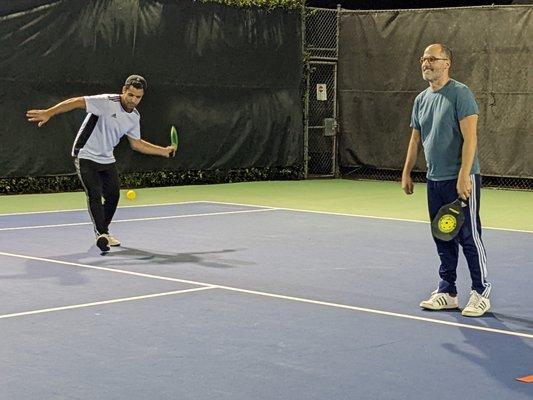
(114, 115)
(442, 301)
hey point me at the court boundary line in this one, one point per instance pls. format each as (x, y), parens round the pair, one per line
(18, 228)
(266, 207)
(85, 209)
(280, 296)
(104, 302)
(356, 215)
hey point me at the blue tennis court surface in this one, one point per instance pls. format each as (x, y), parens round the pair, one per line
(224, 301)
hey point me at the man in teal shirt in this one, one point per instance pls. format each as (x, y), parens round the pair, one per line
(445, 118)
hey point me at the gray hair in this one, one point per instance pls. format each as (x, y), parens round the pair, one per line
(446, 50)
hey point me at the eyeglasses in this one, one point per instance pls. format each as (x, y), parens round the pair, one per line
(430, 59)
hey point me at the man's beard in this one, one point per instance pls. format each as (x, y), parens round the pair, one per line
(430, 75)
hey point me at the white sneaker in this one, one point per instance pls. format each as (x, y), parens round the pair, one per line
(476, 306)
(440, 301)
(113, 241)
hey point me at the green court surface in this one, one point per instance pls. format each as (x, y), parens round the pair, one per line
(499, 208)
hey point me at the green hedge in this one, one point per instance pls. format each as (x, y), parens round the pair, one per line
(70, 183)
(269, 4)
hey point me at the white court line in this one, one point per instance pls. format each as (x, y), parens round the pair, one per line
(18, 228)
(85, 209)
(284, 297)
(247, 205)
(355, 215)
(379, 312)
(118, 271)
(99, 303)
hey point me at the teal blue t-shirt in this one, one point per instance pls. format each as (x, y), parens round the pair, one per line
(436, 115)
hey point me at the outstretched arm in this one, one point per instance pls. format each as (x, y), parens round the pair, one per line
(410, 161)
(142, 146)
(42, 116)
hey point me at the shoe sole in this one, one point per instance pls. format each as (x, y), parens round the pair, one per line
(473, 315)
(103, 244)
(467, 314)
(439, 306)
(438, 309)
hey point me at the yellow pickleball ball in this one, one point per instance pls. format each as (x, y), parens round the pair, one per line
(130, 194)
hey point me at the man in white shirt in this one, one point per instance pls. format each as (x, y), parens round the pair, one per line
(109, 117)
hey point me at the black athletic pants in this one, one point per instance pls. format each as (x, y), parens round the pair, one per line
(99, 181)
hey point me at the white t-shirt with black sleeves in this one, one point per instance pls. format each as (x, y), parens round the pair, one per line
(105, 124)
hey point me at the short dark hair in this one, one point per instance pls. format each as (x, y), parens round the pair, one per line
(137, 81)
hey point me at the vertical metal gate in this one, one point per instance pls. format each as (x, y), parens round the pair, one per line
(321, 45)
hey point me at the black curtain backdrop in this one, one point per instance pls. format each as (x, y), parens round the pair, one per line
(379, 77)
(404, 4)
(229, 79)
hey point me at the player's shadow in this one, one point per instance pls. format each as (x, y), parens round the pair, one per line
(70, 275)
(121, 256)
(503, 357)
(203, 258)
(521, 324)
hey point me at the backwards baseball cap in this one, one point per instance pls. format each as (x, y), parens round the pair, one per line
(137, 81)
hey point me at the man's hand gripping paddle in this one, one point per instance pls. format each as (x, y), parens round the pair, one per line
(449, 220)
(174, 139)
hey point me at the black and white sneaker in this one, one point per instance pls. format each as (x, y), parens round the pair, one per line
(102, 242)
(476, 306)
(440, 301)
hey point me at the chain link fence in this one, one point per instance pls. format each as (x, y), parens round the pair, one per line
(321, 33)
(371, 173)
(321, 148)
(321, 47)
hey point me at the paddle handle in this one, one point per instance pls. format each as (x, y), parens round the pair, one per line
(174, 139)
